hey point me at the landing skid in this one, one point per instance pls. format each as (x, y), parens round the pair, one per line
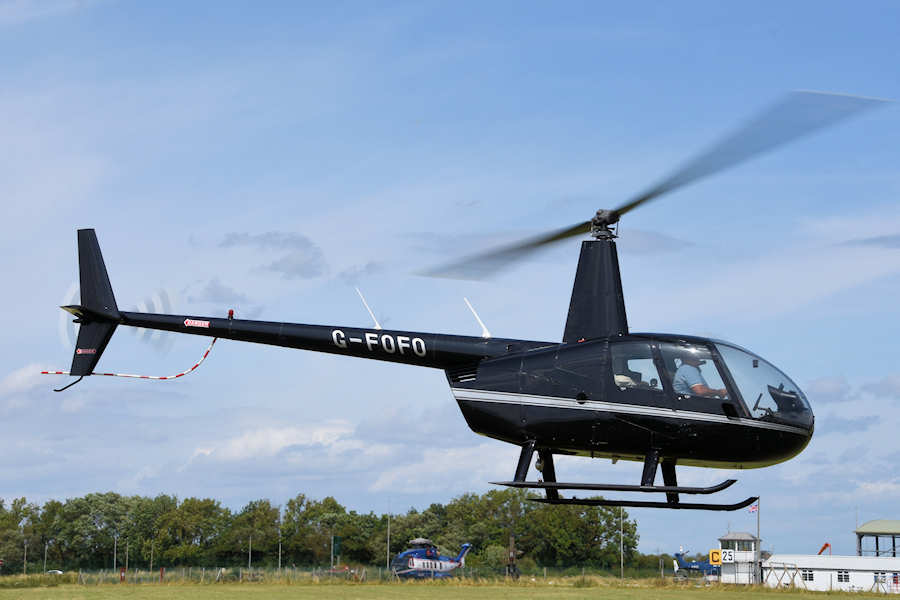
(613, 487)
(640, 504)
(651, 463)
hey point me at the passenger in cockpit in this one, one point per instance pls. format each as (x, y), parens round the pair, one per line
(689, 380)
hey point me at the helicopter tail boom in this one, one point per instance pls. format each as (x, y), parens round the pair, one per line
(416, 348)
(98, 316)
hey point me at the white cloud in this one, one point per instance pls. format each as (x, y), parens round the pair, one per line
(887, 387)
(16, 12)
(829, 389)
(72, 403)
(267, 442)
(447, 469)
(773, 284)
(134, 482)
(22, 380)
(881, 489)
(855, 226)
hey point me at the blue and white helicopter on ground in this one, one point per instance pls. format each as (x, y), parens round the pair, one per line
(423, 560)
(703, 567)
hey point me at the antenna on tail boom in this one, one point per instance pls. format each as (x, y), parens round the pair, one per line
(366, 304)
(484, 330)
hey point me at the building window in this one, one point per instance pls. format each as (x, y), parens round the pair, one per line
(843, 576)
(880, 577)
(806, 574)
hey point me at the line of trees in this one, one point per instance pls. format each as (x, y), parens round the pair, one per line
(84, 532)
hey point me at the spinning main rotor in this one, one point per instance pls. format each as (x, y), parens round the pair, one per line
(797, 114)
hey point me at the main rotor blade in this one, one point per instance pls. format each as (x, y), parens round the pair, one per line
(797, 114)
(482, 266)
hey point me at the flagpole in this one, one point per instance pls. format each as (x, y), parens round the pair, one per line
(758, 545)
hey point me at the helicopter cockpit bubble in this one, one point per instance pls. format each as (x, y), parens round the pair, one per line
(769, 394)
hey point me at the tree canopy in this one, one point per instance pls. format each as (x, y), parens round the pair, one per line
(83, 532)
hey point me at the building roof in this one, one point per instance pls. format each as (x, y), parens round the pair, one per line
(880, 527)
(825, 561)
(738, 535)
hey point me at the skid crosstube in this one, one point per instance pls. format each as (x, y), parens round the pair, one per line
(640, 504)
(614, 487)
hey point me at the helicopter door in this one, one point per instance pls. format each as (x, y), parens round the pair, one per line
(635, 375)
(696, 379)
(634, 380)
(579, 372)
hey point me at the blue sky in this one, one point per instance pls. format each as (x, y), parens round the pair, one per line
(270, 159)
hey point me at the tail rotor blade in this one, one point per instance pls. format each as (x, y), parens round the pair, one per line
(67, 329)
(161, 302)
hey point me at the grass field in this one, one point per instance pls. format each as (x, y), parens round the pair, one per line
(562, 589)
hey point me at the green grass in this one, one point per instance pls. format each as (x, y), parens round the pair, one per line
(568, 588)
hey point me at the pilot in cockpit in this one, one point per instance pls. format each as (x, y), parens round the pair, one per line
(689, 380)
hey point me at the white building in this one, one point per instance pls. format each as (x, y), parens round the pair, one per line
(739, 558)
(823, 573)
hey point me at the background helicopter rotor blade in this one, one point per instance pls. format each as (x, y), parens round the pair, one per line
(797, 114)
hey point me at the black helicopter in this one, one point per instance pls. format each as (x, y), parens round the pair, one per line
(603, 391)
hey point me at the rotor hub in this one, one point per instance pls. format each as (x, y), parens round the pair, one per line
(601, 224)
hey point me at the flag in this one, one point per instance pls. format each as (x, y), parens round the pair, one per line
(753, 508)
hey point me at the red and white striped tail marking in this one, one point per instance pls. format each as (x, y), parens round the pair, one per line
(156, 377)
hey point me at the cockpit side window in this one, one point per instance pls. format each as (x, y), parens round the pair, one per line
(633, 367)
(693, 371)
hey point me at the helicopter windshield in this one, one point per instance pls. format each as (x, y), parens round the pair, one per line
(769, 394)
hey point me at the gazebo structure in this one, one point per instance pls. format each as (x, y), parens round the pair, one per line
(886, 534)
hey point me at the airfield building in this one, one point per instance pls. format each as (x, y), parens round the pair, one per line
(739, 558)
(825, 573)
(875, 568)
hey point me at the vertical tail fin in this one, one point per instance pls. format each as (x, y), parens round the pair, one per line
(98, 314)
(461, 559)
(597, 306)
(96, 292)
